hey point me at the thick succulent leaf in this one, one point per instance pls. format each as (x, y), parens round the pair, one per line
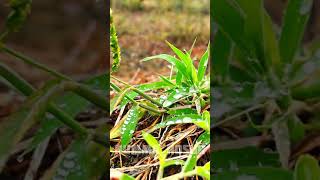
(82, 160)
(307, 168)
(295, 20)
(129, 125)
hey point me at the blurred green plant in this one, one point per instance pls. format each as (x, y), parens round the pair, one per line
(255, 70)
(53, 106)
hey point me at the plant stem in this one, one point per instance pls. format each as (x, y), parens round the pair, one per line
(89, 94)
(141, 93)
(19, 83)
(67, 119)
(116, 88)
(25, 88)
(3, 35)
(32, 62)
(238, 114)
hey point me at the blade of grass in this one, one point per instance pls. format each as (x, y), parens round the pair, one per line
(221, 54)
(295, 20)
(129, 125)
(203, 64)
(32, 62)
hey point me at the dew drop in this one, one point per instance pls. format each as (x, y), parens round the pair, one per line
(170, 122)
(177, 96)
(186, 120)
(69, 164)
(167, 103)
(70, 155)
(62, 105)
(62, 172)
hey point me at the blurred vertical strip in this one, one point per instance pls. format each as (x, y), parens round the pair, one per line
(107, 37)
(211, 88)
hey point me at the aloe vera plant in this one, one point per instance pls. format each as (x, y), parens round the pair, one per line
(264, 78)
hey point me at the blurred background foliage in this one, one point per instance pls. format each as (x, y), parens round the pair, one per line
(143, 26)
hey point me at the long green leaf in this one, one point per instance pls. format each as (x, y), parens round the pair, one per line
(177, 95)
(295, 20)
(253, 25)
(221, 54)
(129, 125)
(184, 119)
(192, 159)
(180, 66)
(307, 168)
(228, 15)
(271, 46)
(203, 64)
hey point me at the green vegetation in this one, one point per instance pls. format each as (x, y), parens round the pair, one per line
(179, 101)
(48, 109)
(265, 92)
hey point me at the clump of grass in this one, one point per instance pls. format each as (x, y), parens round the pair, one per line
(181, 101)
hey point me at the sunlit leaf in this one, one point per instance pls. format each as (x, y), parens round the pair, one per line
(129, 125)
